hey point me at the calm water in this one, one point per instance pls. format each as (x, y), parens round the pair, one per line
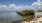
(10, 16)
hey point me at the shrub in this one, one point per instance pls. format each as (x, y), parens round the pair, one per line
(28, 12)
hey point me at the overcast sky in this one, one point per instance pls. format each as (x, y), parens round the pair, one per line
(18, 5)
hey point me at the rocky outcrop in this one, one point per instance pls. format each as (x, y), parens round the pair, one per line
(20, 13)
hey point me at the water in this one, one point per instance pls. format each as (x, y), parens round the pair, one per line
(9, 16)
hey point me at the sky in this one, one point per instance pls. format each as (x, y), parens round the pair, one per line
(17, 2)
(19, 5)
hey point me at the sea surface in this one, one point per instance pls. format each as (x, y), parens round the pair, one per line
(9, 15)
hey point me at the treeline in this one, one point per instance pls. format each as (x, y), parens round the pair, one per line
(39, 10)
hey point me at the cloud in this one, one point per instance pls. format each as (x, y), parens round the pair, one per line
(13, 7)
(37, 5)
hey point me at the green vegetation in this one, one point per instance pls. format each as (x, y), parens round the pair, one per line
(28, 12)
(39, 10)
